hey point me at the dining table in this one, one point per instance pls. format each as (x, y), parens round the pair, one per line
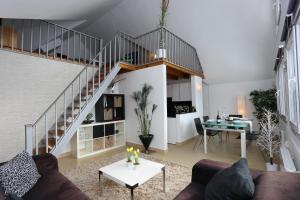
(239, 126)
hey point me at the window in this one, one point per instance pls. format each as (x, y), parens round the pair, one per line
(293, 79)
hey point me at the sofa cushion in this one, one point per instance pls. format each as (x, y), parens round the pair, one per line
(19, 175)
(233, 183)
(54, 185)
(277, 185)
(194, 191)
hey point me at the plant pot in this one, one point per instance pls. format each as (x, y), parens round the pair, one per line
(161, 53)
(146, 140)
(271, 168)
(129, 164)
(135, 166)
(87, 121)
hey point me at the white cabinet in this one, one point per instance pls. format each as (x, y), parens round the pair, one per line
(180, 91)
(90, 142)
(185, 92)
(181, 128)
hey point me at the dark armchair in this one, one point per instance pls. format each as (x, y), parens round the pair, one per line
(268, 185)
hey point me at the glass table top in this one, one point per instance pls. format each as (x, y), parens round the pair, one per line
(237, 124)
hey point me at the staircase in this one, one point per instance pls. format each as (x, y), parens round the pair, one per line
(57, 125)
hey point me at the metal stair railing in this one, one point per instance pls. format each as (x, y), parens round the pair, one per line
(61, 119)
(65, 114)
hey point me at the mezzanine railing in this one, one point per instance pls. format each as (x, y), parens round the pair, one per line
(47, 39)
(161, 44)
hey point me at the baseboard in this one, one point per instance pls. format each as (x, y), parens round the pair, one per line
(186, 141)
(66, 154)
(139, 146)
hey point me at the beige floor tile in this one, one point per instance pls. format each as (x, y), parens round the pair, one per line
(184, 154)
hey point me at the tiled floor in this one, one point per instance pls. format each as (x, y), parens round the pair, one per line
(184, 154)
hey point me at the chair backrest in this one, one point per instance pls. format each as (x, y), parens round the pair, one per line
(205, 118)
(239, 116)
(198, 126)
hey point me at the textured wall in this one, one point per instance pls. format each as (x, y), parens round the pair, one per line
(155, 76)
(28, 86)
(223, 97)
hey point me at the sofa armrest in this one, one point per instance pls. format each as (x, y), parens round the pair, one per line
(45, 163)
(204, 170)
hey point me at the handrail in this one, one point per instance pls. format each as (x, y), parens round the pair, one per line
(155, 31)
(184, 49)
(88, 81)
(69, 29)
(84, 69)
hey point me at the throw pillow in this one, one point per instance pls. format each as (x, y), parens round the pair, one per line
(12, 197)
(233, 183)
(19, 175)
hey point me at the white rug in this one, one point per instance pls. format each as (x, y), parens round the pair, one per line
(86, 177)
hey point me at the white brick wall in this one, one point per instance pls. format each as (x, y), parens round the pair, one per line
(27, 87)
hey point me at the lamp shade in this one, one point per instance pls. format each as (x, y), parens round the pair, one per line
(241, 105)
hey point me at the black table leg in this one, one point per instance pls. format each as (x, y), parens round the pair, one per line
(164, 178)
(131, 193)
(131, 190)
(100, 188)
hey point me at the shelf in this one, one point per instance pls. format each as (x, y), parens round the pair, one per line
(87, 145)
(101, 123)
(98, 144)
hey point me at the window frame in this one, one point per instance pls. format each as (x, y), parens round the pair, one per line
(293, 80)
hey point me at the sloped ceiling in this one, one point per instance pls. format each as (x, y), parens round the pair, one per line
(235, 39)
(55, 9)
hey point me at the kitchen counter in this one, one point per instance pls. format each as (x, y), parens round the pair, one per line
(182, 127)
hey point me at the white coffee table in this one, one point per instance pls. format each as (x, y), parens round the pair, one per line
(129, 177)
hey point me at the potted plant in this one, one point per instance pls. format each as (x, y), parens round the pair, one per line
(269, 139)
(264, 99)
(136, 155)
(162, 52)
(88, 119)
(144, 118)
(129, 155)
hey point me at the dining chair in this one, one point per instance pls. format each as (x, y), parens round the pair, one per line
(200, 131)
(238, 116)
(227, 132)
(205, 118)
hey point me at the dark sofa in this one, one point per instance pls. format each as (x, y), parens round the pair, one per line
(52, 184)
(268, 185)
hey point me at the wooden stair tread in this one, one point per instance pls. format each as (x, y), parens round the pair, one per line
(52, 132)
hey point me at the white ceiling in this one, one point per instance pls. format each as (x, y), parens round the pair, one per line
(55, 9)
(235, 39)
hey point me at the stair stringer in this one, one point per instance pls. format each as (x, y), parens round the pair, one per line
(65, 139)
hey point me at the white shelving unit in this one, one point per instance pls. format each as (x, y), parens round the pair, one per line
(87, 144)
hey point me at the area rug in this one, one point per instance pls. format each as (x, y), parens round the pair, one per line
(86, 177)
